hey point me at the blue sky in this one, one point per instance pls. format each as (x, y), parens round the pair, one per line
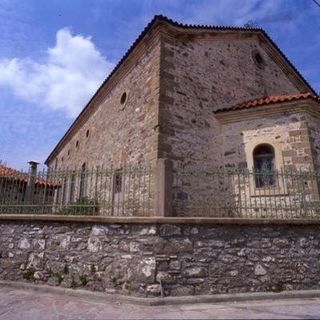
(54, 54)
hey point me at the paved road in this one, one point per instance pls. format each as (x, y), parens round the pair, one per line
(28, 304)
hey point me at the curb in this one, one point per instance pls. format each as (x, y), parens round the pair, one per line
(155, 220)
(234, 297)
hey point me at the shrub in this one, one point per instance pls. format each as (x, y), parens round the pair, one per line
(82, 206)
(28, 274)
(275, 287)
(83, 279)
(58, 276)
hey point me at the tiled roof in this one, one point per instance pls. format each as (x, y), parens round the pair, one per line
(158, 19)
(270, 100)
(7, 172)
(12, 173)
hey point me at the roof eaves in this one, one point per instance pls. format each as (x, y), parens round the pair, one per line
(268, 100)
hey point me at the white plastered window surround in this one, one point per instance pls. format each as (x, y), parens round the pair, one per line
(279, 187)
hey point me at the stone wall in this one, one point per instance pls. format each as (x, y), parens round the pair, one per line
(314, 136)
(116, 133)
(203, 73)
(174, 80)
(291, 129)
(172, 89)
(190, 257)
(287, 133)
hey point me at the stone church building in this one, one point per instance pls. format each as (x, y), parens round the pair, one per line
(199, 96)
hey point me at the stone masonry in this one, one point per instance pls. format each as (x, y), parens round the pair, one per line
(173, 80)
(287, 133)
(202, 75)
(116, 133)
(160, 103)
(188, 258)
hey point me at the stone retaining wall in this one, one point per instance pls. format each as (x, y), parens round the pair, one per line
(132, 258)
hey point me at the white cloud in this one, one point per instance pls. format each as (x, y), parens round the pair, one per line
(72, 71)
(234, 12)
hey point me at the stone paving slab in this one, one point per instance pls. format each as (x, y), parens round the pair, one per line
(29, 304)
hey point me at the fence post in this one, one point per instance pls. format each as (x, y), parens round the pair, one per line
(31, 180)
(163, 188)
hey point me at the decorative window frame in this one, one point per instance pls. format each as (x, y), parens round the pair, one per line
(279, 189)
(271, 157)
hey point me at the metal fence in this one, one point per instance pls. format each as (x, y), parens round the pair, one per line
(131, 191)
(99, 191)
(284, 194)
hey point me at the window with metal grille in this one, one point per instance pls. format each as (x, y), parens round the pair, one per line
(263, 156)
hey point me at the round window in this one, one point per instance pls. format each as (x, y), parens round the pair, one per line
(258, 59)
(123, 100)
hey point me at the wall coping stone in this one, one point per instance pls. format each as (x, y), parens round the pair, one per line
(155, 220)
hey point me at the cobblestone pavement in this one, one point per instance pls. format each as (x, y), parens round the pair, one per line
(28, 304)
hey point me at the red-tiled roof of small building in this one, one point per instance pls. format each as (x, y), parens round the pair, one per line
(11, 173)
(7, 172)
(270, 100)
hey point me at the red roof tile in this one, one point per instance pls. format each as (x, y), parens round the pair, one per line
(11, 173)
(8, 172)
(270, 100)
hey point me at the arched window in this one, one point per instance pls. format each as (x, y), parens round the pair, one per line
(263, 159)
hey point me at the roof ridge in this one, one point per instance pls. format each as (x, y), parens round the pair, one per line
(204, 26)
